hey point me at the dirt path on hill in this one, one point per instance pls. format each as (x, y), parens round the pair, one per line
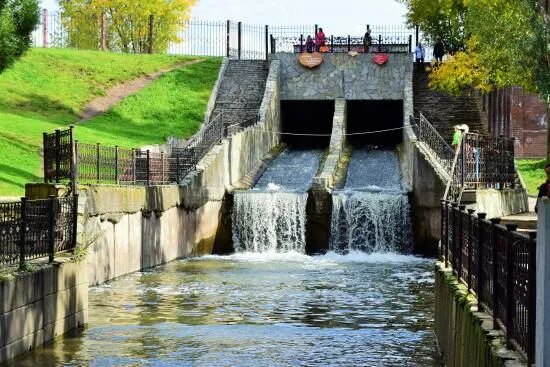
(117, 93)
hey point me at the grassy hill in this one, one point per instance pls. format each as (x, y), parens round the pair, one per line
(49, 88)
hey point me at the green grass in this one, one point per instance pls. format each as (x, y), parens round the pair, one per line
(532, 171)
(47, 89)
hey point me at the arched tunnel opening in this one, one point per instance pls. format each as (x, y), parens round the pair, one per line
(306, 117)
(367, 116)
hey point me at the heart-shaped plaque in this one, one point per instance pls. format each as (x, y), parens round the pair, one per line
(380, 59)
(311, 60)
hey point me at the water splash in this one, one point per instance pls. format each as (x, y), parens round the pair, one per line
(271, 221)
(272, 216)
(372, 213)
(370, 222)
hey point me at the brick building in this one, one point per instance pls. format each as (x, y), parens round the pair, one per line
(513, 113)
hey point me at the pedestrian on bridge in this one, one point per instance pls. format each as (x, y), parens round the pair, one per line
(367, 41)
(320, 40)
(310, 45)
(419, 53)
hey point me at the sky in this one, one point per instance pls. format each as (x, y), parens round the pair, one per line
(336, 17)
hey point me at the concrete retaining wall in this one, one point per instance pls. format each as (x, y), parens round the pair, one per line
(343, 76)
(466, 336)
(36, 307)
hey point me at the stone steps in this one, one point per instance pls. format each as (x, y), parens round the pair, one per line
(241, 91)
(445, 111)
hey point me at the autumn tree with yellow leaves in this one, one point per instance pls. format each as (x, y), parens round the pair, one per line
(127, 23)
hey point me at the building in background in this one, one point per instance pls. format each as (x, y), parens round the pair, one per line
(513, 113)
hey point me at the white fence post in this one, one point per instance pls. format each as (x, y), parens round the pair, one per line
(542, 337)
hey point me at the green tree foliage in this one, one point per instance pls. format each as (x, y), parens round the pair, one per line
(127, 23)
(441, 18)
(506, 43)
(18, 18)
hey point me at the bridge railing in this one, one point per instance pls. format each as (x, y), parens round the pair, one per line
(480, 161)
(69, 159)
(497, 264)
(32, 229)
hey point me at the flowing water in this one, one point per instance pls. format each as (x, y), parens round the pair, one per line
(271, 217)
(372, 212)
(258, 310)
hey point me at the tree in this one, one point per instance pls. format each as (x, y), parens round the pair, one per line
(128, 22)
(506, 43)
(443, 18)
(18, 18)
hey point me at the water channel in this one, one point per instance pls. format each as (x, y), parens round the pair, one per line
(363, 304)
(258, 310)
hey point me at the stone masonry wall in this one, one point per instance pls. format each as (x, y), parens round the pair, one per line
(36, 307)
(466, 336)
(343, 76)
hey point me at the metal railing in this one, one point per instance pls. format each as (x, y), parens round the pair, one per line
(31, 229)
(480, 161)
(435, 143)
(497, 264)
(343, 44)
(233, 39)
(114, 165)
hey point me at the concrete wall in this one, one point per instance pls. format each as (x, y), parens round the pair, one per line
(465, 335)
(325, 180)
(37, 306)
(130, 228)
(343, 76)
(498, 203)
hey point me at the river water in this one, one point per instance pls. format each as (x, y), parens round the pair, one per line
(258, 310)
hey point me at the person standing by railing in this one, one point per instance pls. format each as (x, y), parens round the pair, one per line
(320, 40)
(544, 189)
(310, 45)
(367, 41)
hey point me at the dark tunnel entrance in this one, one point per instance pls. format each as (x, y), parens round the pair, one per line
(306, 117)
(369, 116)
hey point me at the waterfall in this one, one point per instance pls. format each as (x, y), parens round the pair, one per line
(272, 216)
(269, 221)
(372, 213)
(370, 222)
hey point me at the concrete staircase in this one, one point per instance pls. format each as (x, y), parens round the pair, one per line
(241, 91)
(445, 111)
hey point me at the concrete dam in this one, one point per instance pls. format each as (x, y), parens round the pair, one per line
(306, 235)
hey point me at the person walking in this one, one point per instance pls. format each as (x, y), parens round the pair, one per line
(367, 41)
(419, 54)
(320, 40)
(439, 51)
(544, 189)
(310, 45)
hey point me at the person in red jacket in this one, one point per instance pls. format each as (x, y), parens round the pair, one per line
(320, 39)
(544, 189)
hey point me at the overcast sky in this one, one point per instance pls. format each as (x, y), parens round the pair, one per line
(336, 17)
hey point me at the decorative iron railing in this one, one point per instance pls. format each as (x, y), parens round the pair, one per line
(58, 153)
(233, 39)
(497, 264)
(342, 44)
(480, 161)
(31, 229)
(113, 165)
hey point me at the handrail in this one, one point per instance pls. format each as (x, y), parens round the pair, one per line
(428, 135)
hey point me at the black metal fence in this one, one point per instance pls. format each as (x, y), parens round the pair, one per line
(233, 39)
(31, 229)
(114, 165)
(498, 265)
(58, 155)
